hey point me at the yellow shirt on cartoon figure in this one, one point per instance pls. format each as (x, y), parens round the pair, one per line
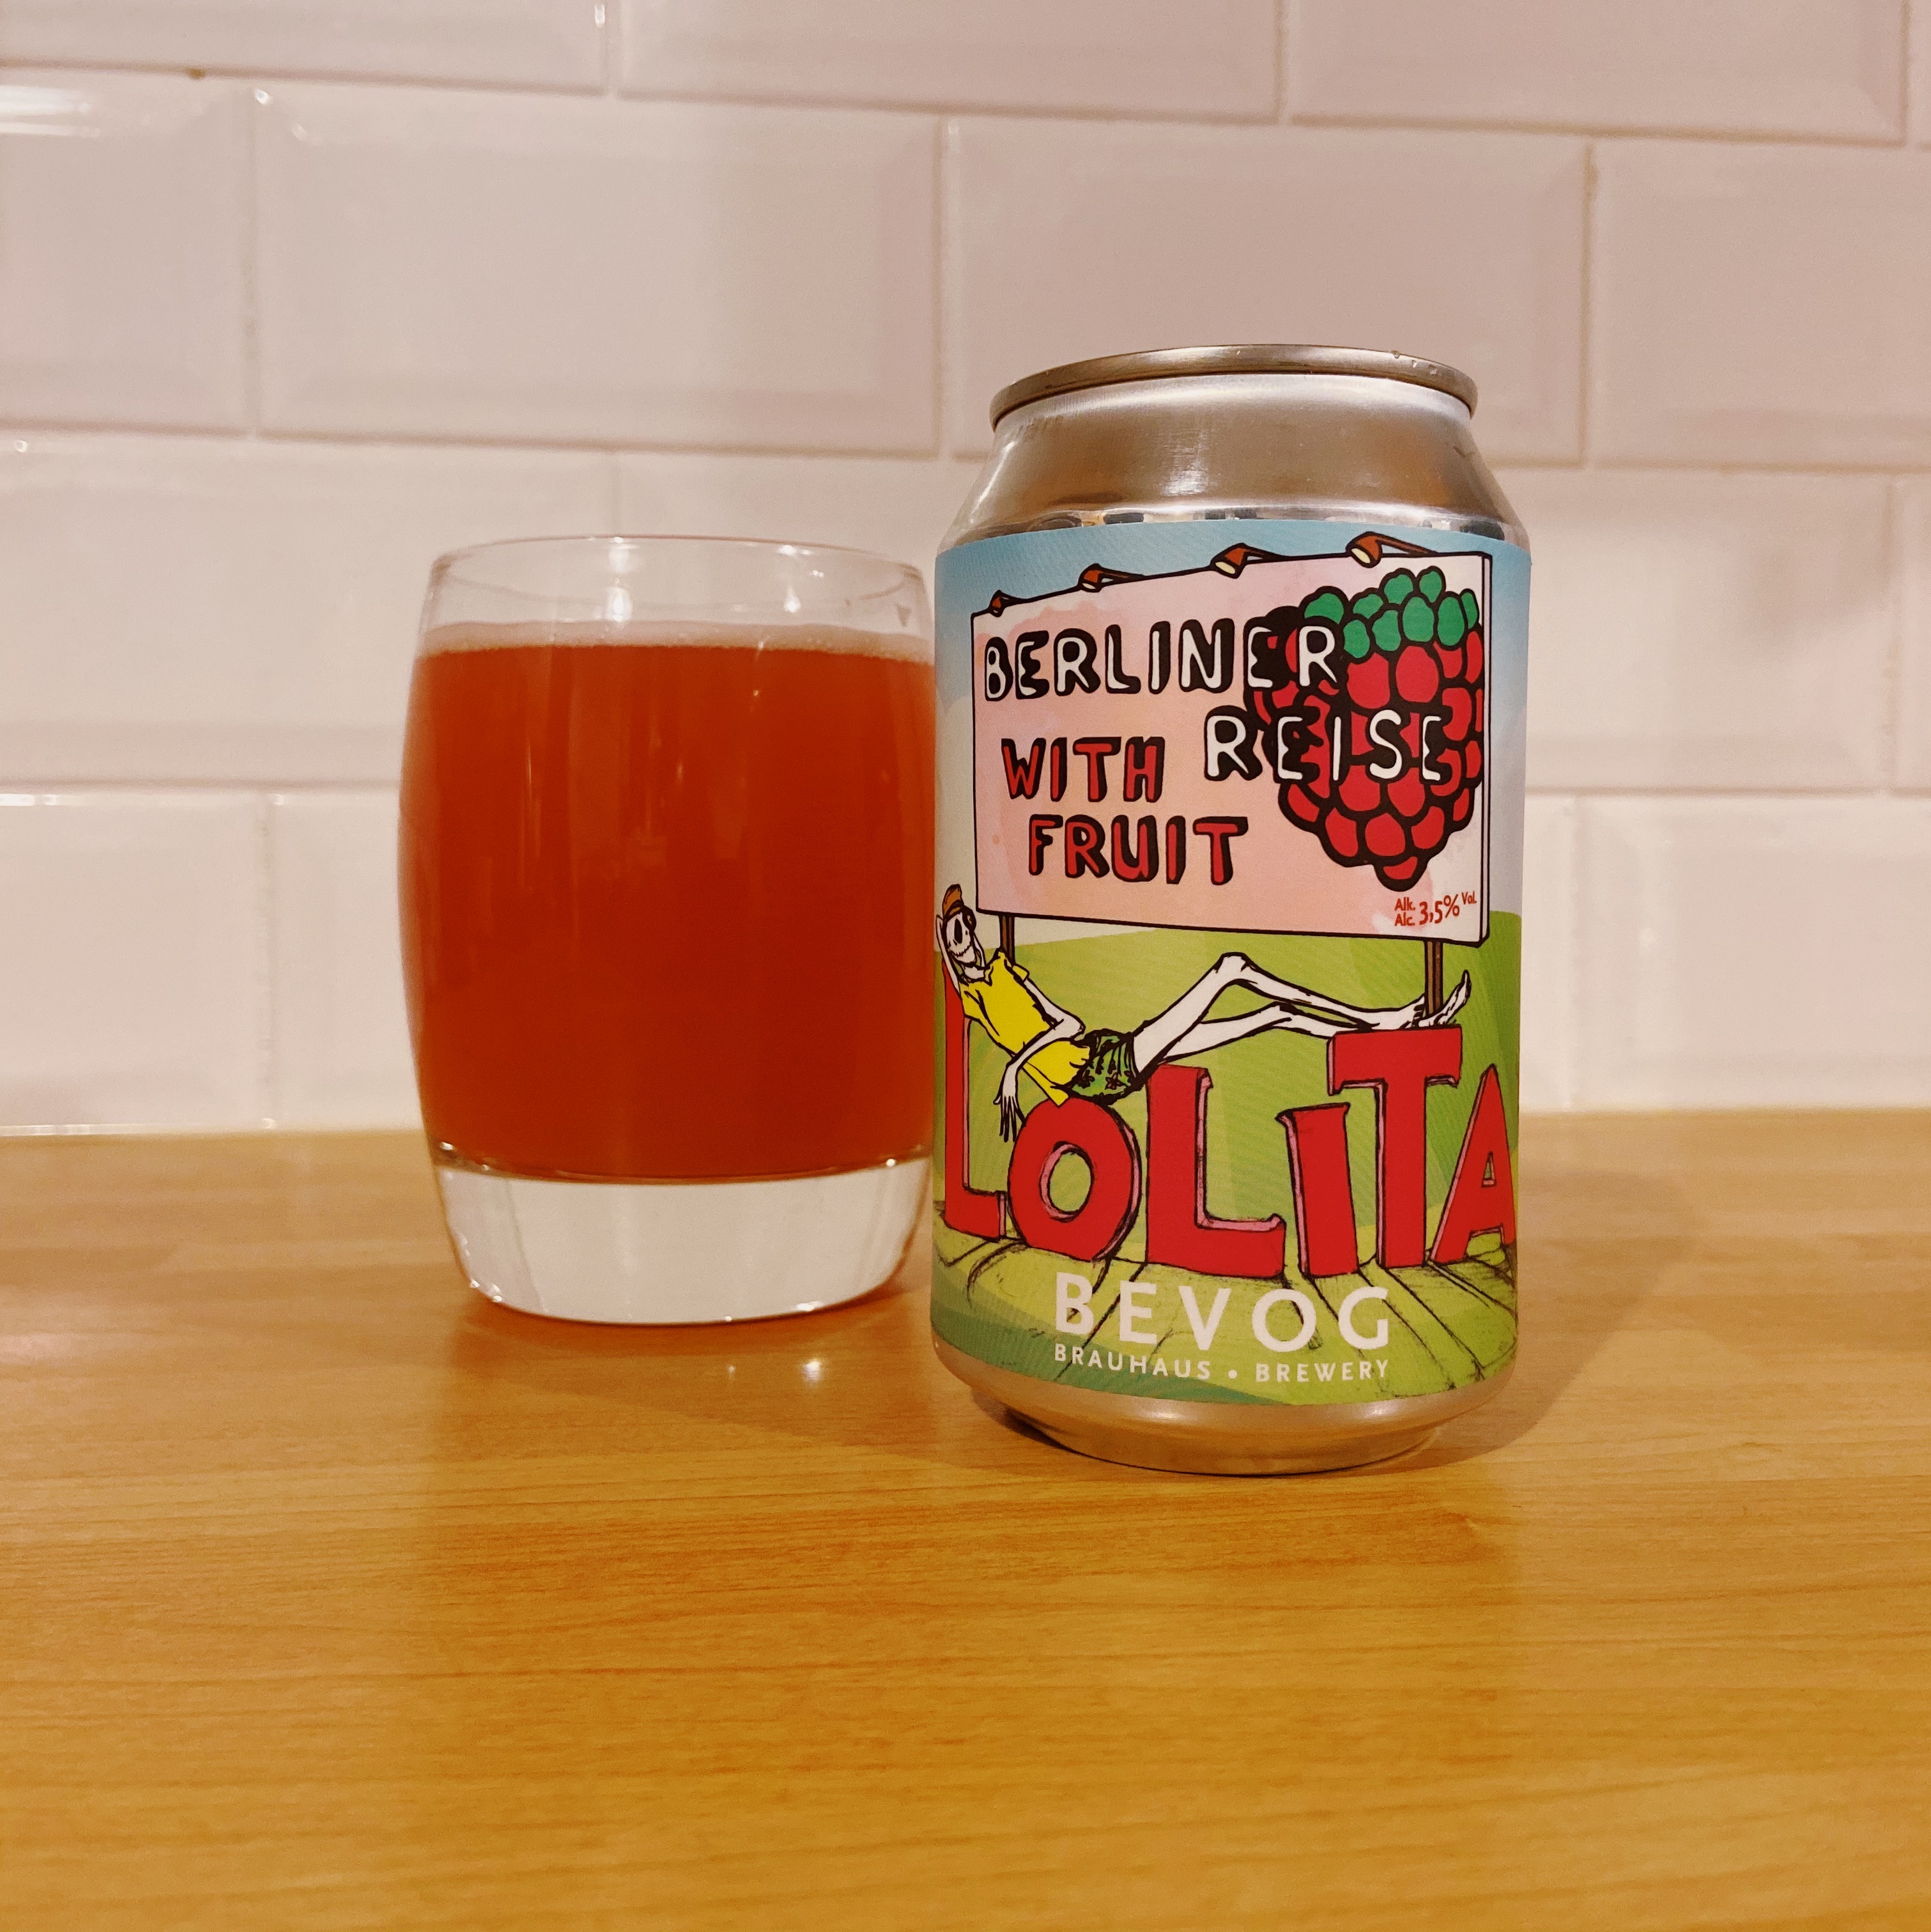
(1003, 1004)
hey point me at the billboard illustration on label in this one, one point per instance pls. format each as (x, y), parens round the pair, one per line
(1353, 690)
(1251, 797)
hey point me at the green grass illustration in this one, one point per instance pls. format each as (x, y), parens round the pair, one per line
(1448, 1327)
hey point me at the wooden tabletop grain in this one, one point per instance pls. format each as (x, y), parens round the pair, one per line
(331, 1596)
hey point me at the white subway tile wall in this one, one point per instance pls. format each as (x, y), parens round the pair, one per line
(1825, 69)
(1766, 951)
(295, 293)
(133, 986)
(508, 42)
(341, 1037)
(536, 269)
(1212, 58)
(191, 608)
(888, 504)
(1914, 709)
(124, 203)
(1549, 1016)
(1072, 239)
(1761, 304)
(1701, 633)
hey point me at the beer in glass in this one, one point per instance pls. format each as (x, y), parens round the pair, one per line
(665, 867)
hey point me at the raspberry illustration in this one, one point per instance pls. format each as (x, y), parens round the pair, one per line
(1378, 749)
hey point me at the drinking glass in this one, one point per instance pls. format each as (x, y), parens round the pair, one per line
(666, 880)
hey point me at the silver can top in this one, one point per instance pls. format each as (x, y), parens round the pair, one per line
(1283, 358)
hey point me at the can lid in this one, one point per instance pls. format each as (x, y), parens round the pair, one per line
(1246, 358)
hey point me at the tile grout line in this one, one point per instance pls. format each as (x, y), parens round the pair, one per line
(944, 170)
(1586, 312)
(253, 99)
(34, 70)
(1283, 15)
(1235, 120)
(1581, 1091)
(1891, 671)
(1548, 130)
(610, 88)
(931, 108)
(379, 439)
(1907, 103)
(950, 299)
(268, 1021)
(1574, 954)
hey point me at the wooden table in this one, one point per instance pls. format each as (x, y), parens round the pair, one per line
(331, 1596)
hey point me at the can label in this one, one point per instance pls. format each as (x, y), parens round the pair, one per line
(1228, 932)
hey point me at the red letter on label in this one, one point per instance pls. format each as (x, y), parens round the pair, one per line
(1218, 832)
(1022, 774)
(1323, 1188)
(1085, 841)
(1140, 776)
(1400, 1067)
(1136, 862)
(968, 1209)
(1482, 1196)
(1096, 751)
(1099, 1137)
(1039, 831)
(1180, 1232)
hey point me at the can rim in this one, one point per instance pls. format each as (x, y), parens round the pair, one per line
(1269, 359)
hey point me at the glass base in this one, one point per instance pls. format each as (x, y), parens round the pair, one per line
(681, 1251)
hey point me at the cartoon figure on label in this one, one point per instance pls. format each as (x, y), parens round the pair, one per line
(1065, 1056)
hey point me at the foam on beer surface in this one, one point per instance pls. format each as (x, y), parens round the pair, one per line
(633, 635)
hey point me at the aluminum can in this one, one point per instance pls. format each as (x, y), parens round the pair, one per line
(1232, 658)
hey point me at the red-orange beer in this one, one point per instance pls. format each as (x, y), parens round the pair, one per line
(667, 900)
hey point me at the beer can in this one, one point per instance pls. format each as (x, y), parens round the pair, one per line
(1232, 661)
